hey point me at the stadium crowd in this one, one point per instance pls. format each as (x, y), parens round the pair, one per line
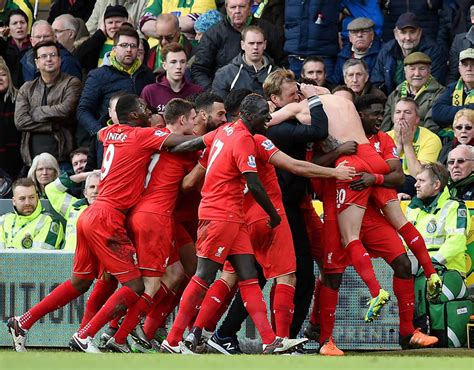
(145, 124)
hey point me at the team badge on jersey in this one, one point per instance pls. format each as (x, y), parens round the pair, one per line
(251, 161)
(268, 145)
(160, 133)
(377, 146)
(219, 251)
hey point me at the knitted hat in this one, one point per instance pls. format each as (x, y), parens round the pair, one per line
(115, 11)
(207, 20)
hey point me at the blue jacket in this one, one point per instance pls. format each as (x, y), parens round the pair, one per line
(100, 85)
(362, 8)
(69, 64)
(346, 53)
(443, 109)
(384, 71)
(311, 27)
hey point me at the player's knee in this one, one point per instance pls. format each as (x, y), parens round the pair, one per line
(289, 279)
(402, 267)
(81, 285)
(136, 285)
(332, 281)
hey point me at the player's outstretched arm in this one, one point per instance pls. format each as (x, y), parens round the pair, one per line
(261, 196)
(307, 169)
(184, 143)
(194, 179)
(289, 111)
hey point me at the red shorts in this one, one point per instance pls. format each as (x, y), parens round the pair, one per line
(218, 239)
(153, 238)
(365, 160)
(182, 236)
(381, 196)
(336, 258)
(273, 248)
(101, 236)
(314, 227)
(379, 237)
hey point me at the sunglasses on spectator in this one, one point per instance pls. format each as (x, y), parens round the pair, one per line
(126, 45)
(460, 127)
(451, 162)
(168, 38)
(47, 55)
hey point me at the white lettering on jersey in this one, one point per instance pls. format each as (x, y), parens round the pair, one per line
(160, 133)
(228, 130)
(251, 161)
(115, 136)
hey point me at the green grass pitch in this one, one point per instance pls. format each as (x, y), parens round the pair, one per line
(398, 360)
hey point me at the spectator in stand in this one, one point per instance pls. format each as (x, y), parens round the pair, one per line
(10, 137)
(8, 5)
(314, 69)
(463, 134)
(345, 92)
(186, 11)
(461, 42)
(427, 11)
(388, 71)
(66, 27)
(15, 43)
(419, 85)
(44, 169)
(356, 77)
(206, 21)
(362, 45)
(454, 19)
(126, 73)
(172, 83)
(247, 70)
(45, 108)
(28, 226)
(167, 32)
(461, 178)
(210, 113)
(354, 9)
(71, 207)
(77, 8)
(232, 103)
(134, 8)
(92, 51)
(221, 43)
(459, 94)
(43, 32)
(415, 145)
(79, 159)
(311, 28)
(443, 222)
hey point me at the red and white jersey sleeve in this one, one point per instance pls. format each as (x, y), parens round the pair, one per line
(384, 146)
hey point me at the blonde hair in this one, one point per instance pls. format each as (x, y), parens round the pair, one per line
(11, 90)
(273, 82)
(468, 113)
(49, 160)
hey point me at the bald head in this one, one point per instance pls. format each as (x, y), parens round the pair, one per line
(460, 162)
(167, 29)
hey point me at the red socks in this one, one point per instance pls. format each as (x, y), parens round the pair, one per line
(191, 301)
(328, 298)
(314, 318)
(103, 289)
(255, 304)
(360, 259)
(120, 300)
(214, 299)
(417, 245)
(283, 308)
(211, 325)
(60, 296)
(404, 291)
(158, 315)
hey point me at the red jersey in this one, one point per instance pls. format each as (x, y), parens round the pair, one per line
(165, 173)
(384, 145)
(188, 203)
(127, 152)
(265, 149)
(232, 153)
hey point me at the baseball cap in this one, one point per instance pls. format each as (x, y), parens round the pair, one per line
(466, 54)
(407, 20)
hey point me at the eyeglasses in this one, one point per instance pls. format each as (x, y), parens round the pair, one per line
(126, 45)
(168, 38)
(47, 55)
(460, 127)
(451, 162)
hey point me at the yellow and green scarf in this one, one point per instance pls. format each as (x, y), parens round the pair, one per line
(458, 93)
(404, 88)
(136, 64)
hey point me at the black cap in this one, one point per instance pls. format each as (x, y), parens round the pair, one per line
(115, 11)
(407, 20)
